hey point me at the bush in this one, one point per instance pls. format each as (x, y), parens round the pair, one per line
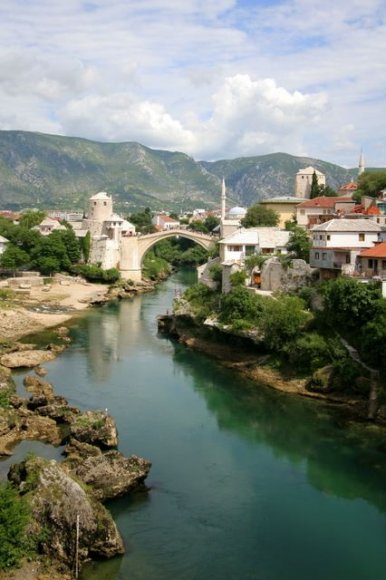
(14, 517)
(203, 300)
(241, 304)
(283, 321)
(96, 274)
(310, 352)
(238, 278)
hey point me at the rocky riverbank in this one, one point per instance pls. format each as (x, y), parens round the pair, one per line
(240, 352)
(58, 493)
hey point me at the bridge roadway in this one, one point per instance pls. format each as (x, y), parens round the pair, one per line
(134, 248)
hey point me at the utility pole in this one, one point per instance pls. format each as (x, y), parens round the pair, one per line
(77, 548)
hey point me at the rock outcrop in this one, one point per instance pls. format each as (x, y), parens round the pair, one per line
(56, 501)
(28, 358)
(110, 474)
(38, 387)
(96, 428)
(289, 278)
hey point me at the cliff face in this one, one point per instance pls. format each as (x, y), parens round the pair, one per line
(38, 170)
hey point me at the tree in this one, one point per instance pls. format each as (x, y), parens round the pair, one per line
(258, 215)
(327, 191)
(282, 321)
(240, 305)
(14, 517)
(13, 258)
(299, 243)
(315, 189)
(350, 304)
(31, 218)
(372, 182)
(142, 221)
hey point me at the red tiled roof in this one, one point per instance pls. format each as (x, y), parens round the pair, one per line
(377, 251)
(325, 202)
(350, 186)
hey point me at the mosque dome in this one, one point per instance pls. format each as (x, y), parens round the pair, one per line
(237, 212)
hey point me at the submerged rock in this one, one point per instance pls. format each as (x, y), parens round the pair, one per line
(110, 474)
(56, 501)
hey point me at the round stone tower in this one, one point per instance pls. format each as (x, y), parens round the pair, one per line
(100, 207)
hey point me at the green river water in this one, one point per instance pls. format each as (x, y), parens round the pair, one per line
(247, 483)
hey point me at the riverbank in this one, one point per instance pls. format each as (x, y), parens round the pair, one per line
(54, 304)
(237, 353)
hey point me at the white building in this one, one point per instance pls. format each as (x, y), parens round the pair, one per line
(247, 241)
(164, 222)
(49, 225)
(337, 243)
(303, 181)
(3, 244)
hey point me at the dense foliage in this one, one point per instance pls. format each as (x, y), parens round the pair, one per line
(258, 215)
(299, 244)
(142, 221)
(371, 182)
(14, 517)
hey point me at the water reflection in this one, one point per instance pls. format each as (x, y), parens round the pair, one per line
(342, 458)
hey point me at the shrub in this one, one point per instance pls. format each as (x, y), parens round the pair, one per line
(241, 304)
(14, 517)
(310, 352)
(282, 322)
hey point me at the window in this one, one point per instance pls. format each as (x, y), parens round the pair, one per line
(235, 248)
(324, 256)
(361, 237)
(383, 264)
(249, 250)
(347, 258)
(105, 203)
(316, 255)
(302, 211)
(370, 263)
(328, 237)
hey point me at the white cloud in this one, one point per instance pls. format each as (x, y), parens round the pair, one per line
(190, 75)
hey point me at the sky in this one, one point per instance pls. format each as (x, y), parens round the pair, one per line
(216, 79)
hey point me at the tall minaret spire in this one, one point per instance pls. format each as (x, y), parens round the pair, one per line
(361, 166)
(223, 199)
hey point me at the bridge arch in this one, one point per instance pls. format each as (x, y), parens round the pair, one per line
(133, 249)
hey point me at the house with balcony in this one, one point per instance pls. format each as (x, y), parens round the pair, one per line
(337, 243)
(247, 241)
(372, 262)
(321, 209)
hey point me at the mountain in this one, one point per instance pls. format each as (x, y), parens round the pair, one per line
(38, 170)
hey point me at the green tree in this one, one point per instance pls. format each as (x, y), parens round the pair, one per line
(258, 215)
(283, 321)
(349, 304)
(13, 258)
(240, 305)
(86, 246)
(31, 218)
(299, 244)
(315, 188)
(142, 221)
(71, 244)
(372, 182)
(14, 517)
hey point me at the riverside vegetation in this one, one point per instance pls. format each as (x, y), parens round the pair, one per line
(309, 337)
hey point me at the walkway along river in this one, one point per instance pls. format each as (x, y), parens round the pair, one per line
(247, 483)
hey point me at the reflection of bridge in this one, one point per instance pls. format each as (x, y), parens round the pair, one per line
(133, 248)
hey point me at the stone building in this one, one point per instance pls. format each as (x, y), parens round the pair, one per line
(303, 181)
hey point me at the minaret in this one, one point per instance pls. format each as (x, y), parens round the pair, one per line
(223, 200)
(361, 166)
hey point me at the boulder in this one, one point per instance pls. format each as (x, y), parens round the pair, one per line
(38, 387)
(110, 474)
(322, 379)
(56, 501)
(28, 358)
(40, 371)
(96, 428)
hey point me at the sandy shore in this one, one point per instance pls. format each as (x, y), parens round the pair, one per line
(73, 295)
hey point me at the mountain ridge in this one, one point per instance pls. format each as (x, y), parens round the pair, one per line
(41, 170)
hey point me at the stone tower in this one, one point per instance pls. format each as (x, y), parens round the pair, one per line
(100, 209)
(303, 181)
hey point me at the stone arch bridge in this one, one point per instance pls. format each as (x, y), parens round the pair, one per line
(134, 248)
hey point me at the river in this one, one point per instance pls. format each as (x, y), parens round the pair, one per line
(247, 483)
